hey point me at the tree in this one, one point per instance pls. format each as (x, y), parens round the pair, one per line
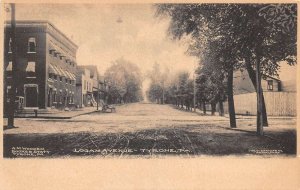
(255, 37)
(270, 37)
(211, 86)
(158, 83)
(182, 87)
(208, 25)
(125, 81)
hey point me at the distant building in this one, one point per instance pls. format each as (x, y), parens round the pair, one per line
(95, 77)
(91, 86)
(84, 87)
(103, 95)
(242, 83)
(46, 61)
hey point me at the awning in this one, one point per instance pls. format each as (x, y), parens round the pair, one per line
(61, 72)
(51, 47)
(30, 67)
(71, 75)
(57, 70)
(53, 70)
(65, 74)
(9, 66)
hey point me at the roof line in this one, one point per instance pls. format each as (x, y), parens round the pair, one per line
(46, 22)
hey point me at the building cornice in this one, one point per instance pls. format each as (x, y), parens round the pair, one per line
(48, 26)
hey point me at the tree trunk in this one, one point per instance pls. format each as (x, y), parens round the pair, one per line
(204, 108)
(252, 77)
(213, 108)
(221, 108)
(231, 109)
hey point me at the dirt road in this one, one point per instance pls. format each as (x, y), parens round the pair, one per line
(149, 130)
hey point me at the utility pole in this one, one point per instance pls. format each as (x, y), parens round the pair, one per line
(259, 97)
(12, 94)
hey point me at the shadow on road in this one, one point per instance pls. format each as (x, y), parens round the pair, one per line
(189, 140)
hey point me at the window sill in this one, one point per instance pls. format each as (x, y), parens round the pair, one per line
(31, 52)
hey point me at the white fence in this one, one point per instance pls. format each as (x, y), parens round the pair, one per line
(277, 103)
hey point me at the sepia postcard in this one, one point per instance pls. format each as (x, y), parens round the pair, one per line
(168, 84)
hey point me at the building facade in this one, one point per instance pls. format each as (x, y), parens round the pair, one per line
(46, 65)
(84, 87)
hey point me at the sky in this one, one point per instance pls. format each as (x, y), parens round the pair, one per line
(139, 36)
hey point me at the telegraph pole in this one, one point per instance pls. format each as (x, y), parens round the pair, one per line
(259, 98)
(12, 94)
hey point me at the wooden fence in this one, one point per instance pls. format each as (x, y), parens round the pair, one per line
(277, 103)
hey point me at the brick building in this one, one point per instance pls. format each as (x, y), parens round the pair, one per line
(46, 61)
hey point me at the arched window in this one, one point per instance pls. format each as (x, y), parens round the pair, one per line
(31, 45)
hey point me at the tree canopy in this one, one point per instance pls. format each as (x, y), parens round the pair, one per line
(125, 81)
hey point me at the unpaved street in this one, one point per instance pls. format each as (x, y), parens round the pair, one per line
(150, 130)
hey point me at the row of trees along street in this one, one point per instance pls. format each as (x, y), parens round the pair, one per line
(226, 38)
(178, 89)
(125, 82)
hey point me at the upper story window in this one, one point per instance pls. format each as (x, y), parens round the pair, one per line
(9, 46)
(31, 45)
(270, 85)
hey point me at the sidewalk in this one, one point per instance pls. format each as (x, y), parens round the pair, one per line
(226, 115)
(58, 114)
